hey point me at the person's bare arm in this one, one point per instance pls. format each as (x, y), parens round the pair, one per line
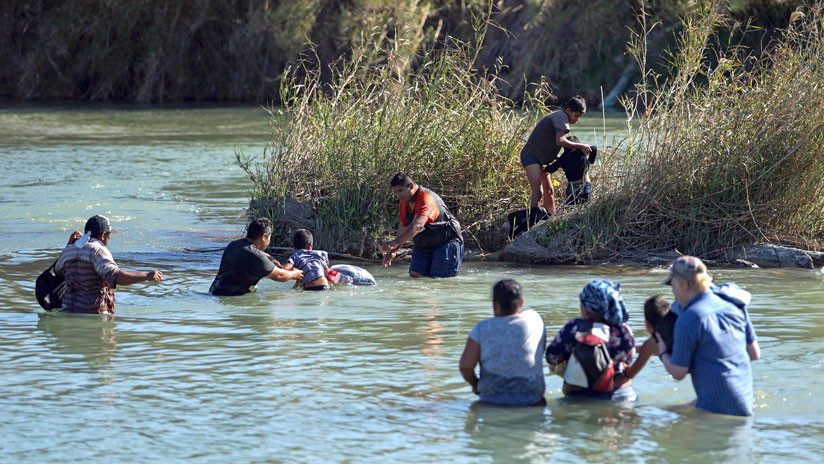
(386, 249)
(73, 237)
(287, 267)
(644, 353)
(677, 372)
(754, 350)
(407, 233)
(273, 260)
(390, 248)
(562, 141)
(469, 359)
(130, 277)
(282, 275)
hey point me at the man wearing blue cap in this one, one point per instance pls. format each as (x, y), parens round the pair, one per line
(90, 271)
(714, 342)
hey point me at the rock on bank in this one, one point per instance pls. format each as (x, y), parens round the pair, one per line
(527, 249)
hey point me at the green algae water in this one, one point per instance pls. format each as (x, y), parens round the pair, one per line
(358, 374)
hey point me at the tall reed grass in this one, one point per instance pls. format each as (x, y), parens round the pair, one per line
(335, 147)
(728, 151)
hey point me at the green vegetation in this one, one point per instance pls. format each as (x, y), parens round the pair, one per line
(726, 152)
(336, 146)
(725, 132)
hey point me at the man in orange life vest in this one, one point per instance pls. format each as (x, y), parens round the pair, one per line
(434, 231)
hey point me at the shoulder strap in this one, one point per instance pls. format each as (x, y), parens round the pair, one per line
(53, 264)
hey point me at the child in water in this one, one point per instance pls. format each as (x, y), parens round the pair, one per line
(313, 263)
(657, 315)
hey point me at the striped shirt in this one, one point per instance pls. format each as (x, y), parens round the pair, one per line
(91, 276)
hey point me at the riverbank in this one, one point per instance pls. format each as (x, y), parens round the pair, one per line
(527, 249)
(724, 155)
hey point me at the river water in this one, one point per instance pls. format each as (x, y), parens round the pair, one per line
(358, 374)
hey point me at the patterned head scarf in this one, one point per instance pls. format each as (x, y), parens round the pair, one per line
(604, 298)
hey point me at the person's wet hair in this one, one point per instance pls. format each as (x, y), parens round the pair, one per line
(655, 309)
(508, 295)
(302, 239)
(259, 227)
(577, 104)
(401, 179)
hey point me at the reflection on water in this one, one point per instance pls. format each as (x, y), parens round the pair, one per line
(510, 434)
(596, 428)
(358, 374)
(719, 438)
(64, 331)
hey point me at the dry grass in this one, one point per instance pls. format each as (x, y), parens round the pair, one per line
(336, 146)
(726, 152)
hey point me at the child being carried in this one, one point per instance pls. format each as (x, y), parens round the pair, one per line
(657, 319)
(313, 263)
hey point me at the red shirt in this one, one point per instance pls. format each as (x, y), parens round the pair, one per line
(424, 206)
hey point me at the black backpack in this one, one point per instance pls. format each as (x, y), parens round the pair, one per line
(49, 289)
(590, 366)
(523, 220)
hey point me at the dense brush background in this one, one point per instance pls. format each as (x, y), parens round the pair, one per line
(154, 51)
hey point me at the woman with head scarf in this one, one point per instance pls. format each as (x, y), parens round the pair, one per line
(592, 352)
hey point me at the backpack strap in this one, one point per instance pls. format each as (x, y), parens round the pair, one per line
(53, 264)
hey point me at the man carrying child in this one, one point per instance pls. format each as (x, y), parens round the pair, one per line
(714, 342)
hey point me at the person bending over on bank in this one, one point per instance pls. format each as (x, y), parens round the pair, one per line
(591, 352)
(576, 166)
(313, 263)
(542, 148)
(90, 271)
(244, 262)
(714, 342)
(509, 348)
(434, 231)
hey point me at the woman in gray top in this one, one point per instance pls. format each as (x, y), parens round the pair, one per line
(509, 348)
(543, 146)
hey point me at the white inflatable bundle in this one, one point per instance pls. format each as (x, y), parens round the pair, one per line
(359, 276)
